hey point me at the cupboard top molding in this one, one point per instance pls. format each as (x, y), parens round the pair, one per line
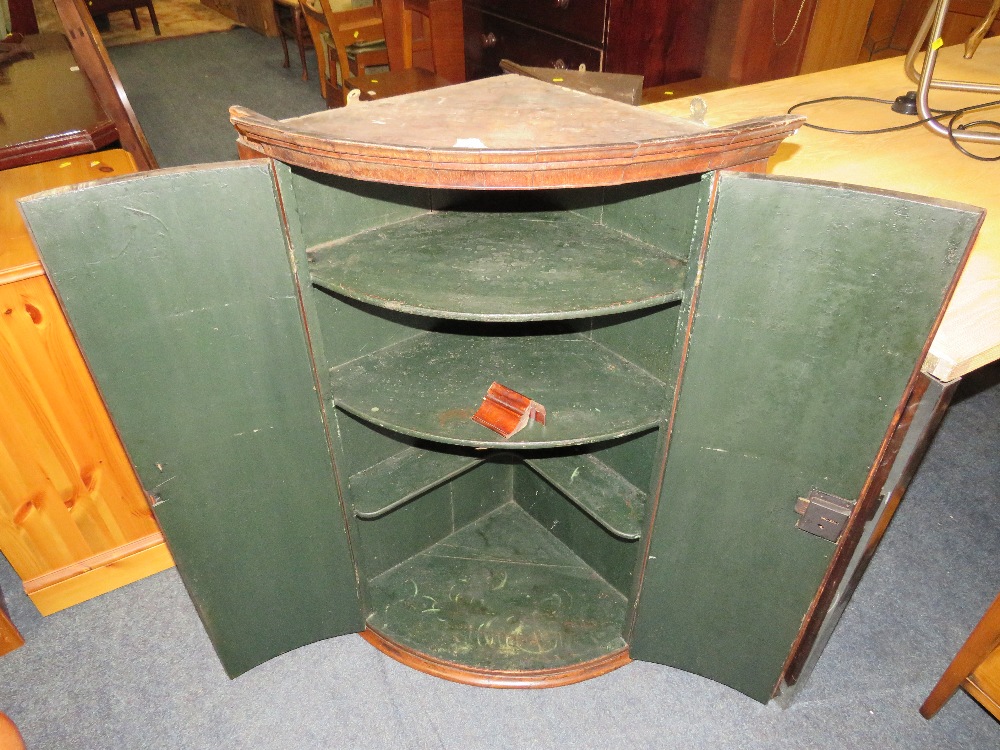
(506, 132)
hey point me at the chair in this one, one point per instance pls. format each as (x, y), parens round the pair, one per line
(103, 7)
(320, 16)
(358, 43)
(425, 46)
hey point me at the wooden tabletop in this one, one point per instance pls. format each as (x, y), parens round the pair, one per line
(48, 108)
(911, 161)
(18, 259)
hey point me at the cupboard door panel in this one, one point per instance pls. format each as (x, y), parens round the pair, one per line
(179, 288)
(815, 304)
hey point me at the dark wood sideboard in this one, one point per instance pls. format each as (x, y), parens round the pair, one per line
(663, 41)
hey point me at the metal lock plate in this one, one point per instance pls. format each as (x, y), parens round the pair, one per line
(823, 514)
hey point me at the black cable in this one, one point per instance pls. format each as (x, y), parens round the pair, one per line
(966, 126)
(938, 113)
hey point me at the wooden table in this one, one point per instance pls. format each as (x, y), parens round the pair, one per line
(911, 161)
(48, 108)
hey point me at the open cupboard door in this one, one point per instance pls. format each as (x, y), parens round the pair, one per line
(180, 289)
(797, 364)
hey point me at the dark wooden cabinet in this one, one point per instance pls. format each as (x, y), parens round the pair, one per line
(663, 41)
(293, 350)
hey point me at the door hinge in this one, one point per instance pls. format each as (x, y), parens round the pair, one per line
(823, 514)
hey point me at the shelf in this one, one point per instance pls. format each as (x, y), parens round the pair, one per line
(602, 493)
(500, 594)
(430, 385)
(501, 267)
(402, 477)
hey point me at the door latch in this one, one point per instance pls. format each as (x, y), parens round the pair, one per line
(823, 514)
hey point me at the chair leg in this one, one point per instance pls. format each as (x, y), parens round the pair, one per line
(281, 36)
(301, 36)
(152, 18)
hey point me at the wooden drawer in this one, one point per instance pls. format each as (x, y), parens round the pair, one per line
(582, 20)
(489, 39)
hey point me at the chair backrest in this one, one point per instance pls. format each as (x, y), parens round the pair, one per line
(315, 19)
(352, 26)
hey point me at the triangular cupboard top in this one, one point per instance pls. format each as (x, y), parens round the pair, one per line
(506, 132)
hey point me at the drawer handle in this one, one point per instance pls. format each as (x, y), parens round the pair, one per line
(489, 40)
(562, 4)
(559, 64)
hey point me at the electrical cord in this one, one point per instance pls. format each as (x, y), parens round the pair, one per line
(955, 115)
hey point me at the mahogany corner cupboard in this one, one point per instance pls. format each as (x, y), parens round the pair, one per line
(293, 347)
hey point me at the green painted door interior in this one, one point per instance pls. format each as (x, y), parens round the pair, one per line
(179, 289)
(816, 302)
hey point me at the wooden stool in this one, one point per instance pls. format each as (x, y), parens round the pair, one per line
(291, 24)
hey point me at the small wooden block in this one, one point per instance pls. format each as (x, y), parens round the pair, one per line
(506, 411)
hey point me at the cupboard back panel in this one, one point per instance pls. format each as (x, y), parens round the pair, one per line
(646, 338)
(612, 558)
(397, 536)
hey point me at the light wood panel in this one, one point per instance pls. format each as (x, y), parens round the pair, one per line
(70, 503)
(912, 161)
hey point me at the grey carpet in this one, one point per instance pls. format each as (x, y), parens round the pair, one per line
(134, 669)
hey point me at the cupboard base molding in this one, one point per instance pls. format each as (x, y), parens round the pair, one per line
(542, 678)
(99, 574)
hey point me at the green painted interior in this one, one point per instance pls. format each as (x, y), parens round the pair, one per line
(810, 318)
(610, 557)
(502, 594)
(186, 310)
(499, 266)
(430, 386)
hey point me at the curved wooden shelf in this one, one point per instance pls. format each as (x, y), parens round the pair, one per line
(499, 603)
(430, 385)
(538, 678)
(506, 132)
(499, 267)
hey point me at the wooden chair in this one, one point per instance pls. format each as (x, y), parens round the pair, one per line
(103, 7)
(358, 43)
(975, 668)
(425, 46)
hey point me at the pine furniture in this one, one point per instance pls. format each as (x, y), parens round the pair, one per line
(74, 522)
(297, 401)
